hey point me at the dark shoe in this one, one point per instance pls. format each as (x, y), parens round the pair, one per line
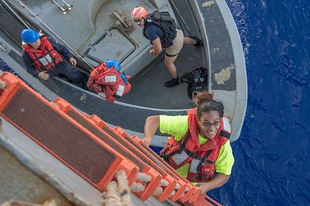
(172, 82)
(198, 41)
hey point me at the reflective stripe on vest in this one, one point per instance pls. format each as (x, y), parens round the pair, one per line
(45, 60)
(179, 158)
(226, 124)
(108, 81)
(195, 162)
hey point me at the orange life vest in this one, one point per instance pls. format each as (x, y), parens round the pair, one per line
(44, 58)
(200, 157)
(109, 82)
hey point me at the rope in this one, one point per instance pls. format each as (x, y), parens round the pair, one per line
(144, 177)
(51, 202)
(2, 85)
(111, 197)
(137, 187)
(118, 194)
(185, 191)
(158, 191)
(42, 22)
(172, 193)
(123, 188)
(140, 186)
(164, 183)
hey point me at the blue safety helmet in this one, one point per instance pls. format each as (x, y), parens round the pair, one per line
(113, 63)
(29, 36)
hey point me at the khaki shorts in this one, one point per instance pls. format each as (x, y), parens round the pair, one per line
(177, 45)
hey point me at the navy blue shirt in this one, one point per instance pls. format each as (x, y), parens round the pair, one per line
(28, 62)
(153, 31)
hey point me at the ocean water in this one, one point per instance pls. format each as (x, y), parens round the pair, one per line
(272, 155)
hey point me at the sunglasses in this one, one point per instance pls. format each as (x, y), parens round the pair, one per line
(137, 20)
(209, 124)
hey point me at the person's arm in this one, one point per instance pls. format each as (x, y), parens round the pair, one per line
(218, 181)
(223, 167)
(153, 34)
(28, 63)
(156, 47)
(150, 128)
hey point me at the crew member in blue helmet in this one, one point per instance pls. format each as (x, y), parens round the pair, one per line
(44, 57)
(160, 29)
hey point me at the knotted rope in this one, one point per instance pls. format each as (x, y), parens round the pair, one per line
(118, 194)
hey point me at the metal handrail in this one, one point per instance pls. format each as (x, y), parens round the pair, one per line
(64, 8)
(42, 22)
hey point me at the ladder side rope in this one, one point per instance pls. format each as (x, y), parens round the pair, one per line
(144, 177)
(124, 190)
(185, 191)
(75, 52)
(143, 180)
(139, 186)
(118, 192)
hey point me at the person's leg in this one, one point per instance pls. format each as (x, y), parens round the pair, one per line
(170, 56)
(193, 40)
(72, 74)
(53, 72)
(169, 62)
(188, 40)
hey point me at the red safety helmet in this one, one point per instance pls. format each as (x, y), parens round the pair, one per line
(139, 12)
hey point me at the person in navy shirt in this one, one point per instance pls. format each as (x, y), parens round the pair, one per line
(160, 40)
(44, 57)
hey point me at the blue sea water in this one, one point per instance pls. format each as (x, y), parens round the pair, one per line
(272, 155)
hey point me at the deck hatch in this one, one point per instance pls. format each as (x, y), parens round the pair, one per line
(50, 130)
(113, 46)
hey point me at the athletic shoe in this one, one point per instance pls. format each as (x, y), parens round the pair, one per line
(198, 41)
(172, 82)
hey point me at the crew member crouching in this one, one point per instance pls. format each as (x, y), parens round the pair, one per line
(44, 57)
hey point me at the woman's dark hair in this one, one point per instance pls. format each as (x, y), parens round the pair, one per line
(209, 105)
(201, 96)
